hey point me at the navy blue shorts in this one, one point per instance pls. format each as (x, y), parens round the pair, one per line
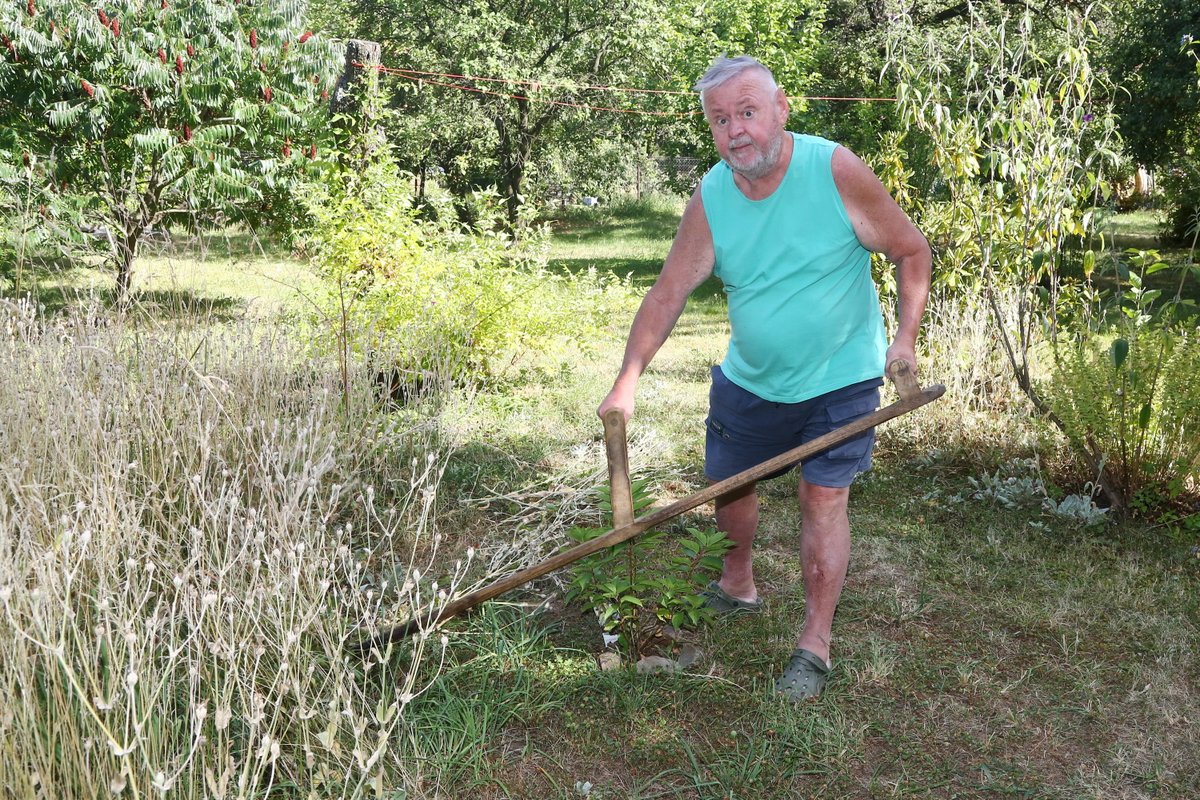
(744, 430)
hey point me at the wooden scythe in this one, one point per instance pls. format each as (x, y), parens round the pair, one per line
(912, 397)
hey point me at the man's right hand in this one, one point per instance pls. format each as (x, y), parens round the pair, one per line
(617, 398)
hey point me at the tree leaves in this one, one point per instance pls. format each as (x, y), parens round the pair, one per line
(64, 114)
(155, 141)
(111, 95)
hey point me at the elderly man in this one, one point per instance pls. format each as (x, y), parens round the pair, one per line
(788, 223)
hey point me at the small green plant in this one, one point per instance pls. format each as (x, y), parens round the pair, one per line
(1020, 485)
(639, 586)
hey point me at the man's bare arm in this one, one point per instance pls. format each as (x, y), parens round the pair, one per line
(688, 264)
(883, 227)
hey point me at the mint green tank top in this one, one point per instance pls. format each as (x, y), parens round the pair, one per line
(803, 310)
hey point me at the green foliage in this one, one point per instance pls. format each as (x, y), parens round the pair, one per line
(1126, 394)
(437, 298)
(1151, 54)
(30, 233)
(1160, 105)
(1134, 401)
(1180, 186)
(652, 580)
(523, 124)
(848, 57)
(542, 51)
(1020, 138)
(141, 113)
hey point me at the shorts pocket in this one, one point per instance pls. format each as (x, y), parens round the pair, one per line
(855, 449)
(717, 428)
(852, 408)
(846, 412)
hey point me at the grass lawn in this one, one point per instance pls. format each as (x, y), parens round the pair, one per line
(984, 648)
(224, 275)
(1142, 226)
(981, 651)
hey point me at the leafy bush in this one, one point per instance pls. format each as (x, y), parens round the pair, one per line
(441, 298)
(1180, 185)
(1122, 389)
(130, 115)
(1132, 401)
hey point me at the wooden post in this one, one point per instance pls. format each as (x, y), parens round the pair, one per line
(353, 98)
(620, 492)
(361, 59)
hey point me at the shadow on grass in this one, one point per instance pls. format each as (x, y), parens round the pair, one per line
(626, 221)
(164, 304)
(221, 245)
(643, 271)
(484, 468)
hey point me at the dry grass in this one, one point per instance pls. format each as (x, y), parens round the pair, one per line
(188, 543)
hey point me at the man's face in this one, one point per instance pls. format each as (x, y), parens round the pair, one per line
(746, 116)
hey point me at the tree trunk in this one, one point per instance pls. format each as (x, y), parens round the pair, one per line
(355, 129)
(125, 256)
(512, 192)
(130, 230)
(515, 150)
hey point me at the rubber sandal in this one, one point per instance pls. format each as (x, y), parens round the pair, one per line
(804, 677)
(724, 604)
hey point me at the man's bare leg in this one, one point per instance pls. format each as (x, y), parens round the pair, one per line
(824, 555)
(737, 516)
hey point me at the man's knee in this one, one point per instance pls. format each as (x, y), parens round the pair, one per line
(823, 500)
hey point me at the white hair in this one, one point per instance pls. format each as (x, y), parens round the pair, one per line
(723, 68)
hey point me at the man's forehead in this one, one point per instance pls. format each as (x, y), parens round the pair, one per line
(749, 85)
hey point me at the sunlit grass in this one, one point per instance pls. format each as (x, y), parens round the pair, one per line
(1143, 223)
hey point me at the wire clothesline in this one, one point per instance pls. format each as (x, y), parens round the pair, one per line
(425, 76)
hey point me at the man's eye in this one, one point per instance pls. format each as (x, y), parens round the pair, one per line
(721, 120)
(747, 113)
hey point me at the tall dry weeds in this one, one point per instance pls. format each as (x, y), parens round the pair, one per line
(189, 527)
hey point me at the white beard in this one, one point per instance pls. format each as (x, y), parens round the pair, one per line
(763, 163)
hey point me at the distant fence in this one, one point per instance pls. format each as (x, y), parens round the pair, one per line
(681, 172)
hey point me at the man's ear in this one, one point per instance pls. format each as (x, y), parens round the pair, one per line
(781, 103)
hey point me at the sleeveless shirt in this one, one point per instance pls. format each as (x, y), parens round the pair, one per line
(803, 309)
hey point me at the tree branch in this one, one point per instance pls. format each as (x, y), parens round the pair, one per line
(963, 9)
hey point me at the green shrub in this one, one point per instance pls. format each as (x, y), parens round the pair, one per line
(1180, 185)
(438, 297)
(1130, 398)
